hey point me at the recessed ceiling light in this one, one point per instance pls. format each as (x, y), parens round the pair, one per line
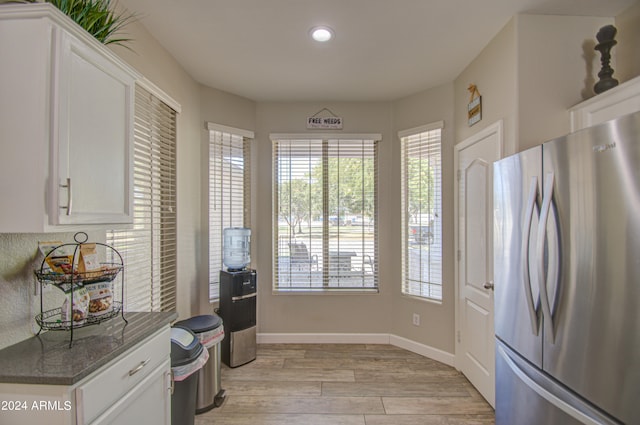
(321, 34)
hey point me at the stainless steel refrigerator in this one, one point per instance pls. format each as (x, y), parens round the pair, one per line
(567, 279)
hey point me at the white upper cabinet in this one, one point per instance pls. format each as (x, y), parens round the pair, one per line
(66, 125)
(94, 111)
(621, 100)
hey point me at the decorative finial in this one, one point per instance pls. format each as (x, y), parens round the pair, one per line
(606, 41)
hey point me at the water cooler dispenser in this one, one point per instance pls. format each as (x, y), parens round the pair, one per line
(238, 296)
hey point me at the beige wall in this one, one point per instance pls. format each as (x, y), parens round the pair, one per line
(18, 305)
(227, 109)
(628, 48)
(557, 67)
(493, 71)
(18, 302)
(437, 319)
(509, 78)
(529, 74)
(200, 104)
(319, 313)
(498, 71)
(388, 311)
(535, 68)
(224, 108)
(154, 62)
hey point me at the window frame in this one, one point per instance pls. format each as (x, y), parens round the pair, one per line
(217, 218)
(148, 247)
(420, 288)
(325, 286)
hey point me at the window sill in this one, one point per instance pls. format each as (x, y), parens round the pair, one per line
(321, 292)
(423, 299)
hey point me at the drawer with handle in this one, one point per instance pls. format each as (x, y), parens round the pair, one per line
(109, 385)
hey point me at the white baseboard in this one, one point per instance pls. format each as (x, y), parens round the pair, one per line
(423, 350)
(322, 338)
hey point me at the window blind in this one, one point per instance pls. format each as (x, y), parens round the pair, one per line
(229, 192)
(325, 214)
(148, 247)
(422, 212)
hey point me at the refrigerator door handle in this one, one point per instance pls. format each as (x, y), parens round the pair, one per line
(553, 263)
(526, 275)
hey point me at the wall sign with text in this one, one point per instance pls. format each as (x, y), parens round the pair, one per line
(333, 122)
(474, 109)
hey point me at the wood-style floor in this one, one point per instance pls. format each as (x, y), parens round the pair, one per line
(354, 384)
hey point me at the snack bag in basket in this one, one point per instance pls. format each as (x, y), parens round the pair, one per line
(57, 258)
(79, 311)
(100, 298)
(88, 263)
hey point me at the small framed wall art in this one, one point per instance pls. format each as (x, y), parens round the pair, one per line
(474, 109)
(333, 122)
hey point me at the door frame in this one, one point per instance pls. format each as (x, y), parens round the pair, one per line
(496, 128)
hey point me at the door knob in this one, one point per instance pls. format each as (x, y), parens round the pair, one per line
(488, 285)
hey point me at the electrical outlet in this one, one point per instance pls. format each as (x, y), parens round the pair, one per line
(416, 319)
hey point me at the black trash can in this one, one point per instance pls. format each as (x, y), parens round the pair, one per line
(187, 357)
(210, 331)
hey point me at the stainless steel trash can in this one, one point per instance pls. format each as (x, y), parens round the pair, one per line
(210, 332)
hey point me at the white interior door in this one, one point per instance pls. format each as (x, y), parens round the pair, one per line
(475, 355)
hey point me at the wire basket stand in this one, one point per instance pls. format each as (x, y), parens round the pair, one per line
(69, 282)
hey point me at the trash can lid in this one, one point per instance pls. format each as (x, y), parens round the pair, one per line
(185, 346)
(204, 323)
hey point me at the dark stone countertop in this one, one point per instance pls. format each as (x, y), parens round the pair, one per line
(47, 359)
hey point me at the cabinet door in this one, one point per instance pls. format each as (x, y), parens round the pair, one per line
(34, 404)
(93, 141)
(147, 403)
(121, 377)
(24, 116)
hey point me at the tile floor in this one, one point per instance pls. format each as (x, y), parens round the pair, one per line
(346, 384)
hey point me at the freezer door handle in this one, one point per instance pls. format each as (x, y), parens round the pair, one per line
(526, 275)
(550, 391)
(550, 272)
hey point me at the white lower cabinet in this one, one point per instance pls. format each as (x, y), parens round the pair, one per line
(147, 403)
(28, 404)
(142, 374)
(133, 389)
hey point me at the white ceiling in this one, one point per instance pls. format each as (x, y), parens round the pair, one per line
(383, 49)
